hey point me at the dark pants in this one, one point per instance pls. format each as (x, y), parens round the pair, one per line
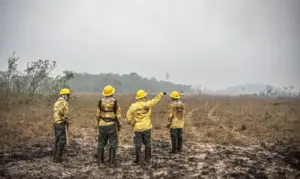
(145, 138)
(60, 135)
(60, 141)
(142, 137)
(107, 134)
(176, 138)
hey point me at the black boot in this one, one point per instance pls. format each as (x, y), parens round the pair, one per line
(109, 155)
(55, 147)
(147, 154)
(137, 155)
(54, 152)
(174, 145)
(179, 147)
(112, 156)
(100, 158)
(59, 153)
(180, 140)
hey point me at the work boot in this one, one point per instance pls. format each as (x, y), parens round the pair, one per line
(179, 147)
(54, 152)
(137, 155)
(101, 158)
(174, 148)
(109, 155)
(59, 153)
(147, 154)
(180, 140)
(112, 156)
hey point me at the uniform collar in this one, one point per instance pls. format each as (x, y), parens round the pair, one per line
(108, 99)
(141, 100)
(61, 98)
(176, 102)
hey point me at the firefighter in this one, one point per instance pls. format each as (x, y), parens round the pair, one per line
(61, 121)
(138, 116)
(176, 121)
(108, 115)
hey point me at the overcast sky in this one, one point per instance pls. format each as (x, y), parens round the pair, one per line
(216, 43)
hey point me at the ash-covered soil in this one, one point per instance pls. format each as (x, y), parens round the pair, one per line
(196, 161)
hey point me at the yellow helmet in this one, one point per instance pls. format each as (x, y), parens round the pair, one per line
(140, 94)
(108, 91)
(64, 91)
(175, 95)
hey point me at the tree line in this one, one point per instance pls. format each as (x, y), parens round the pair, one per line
(127, 83)
(38, 80)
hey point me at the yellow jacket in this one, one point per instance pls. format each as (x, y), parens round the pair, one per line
(60, 110)
(140, 113)
(176, 114)
(108, 105)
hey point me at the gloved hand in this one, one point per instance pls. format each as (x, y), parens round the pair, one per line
(164, 93)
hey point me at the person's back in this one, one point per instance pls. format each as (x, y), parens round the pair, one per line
(177, 112)
(108, 115)
(108, 111)
(176, 121)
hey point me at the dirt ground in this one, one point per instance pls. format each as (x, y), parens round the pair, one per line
(236, 137)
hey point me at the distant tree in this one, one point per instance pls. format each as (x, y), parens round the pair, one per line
(269, 90)
(61, 81)
(262, 93)
(290, 89)
(133, 74)
(199, 89)
(153, 79)
(285, 90)
(10, 74)
(167, 76)
(37, 72)
(2, 81)
(117, 83)
(243, 90)
(276, 92)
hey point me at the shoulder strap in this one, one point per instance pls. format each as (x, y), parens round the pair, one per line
(115, 106)
(100, 104)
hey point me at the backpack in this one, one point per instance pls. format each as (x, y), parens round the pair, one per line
(108, 119)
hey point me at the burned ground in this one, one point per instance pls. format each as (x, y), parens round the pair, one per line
(196, 161)
(224, 138)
